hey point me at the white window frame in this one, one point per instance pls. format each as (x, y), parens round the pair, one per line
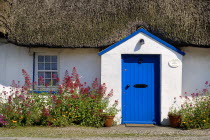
(36, 70)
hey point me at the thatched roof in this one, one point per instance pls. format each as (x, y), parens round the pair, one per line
(99, 23)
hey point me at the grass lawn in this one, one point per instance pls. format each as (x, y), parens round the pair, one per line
(74, 132)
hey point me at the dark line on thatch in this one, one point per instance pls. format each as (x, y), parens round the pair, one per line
(180, 45)
(55, 46)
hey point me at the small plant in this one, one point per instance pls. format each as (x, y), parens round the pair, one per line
(112, 111)
(174, 115)
(174, 110)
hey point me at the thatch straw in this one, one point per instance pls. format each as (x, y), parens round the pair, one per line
(97, 23)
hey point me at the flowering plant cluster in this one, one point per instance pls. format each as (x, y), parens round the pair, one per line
(195, 110)
(73, 103)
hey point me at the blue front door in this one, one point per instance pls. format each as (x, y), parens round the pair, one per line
(140, 89)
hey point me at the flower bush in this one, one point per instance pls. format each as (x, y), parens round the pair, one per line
(195, 110)
(73, 103)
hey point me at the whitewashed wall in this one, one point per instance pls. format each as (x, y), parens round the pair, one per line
(196, 69)
(13, 59)
(86, 61)
(171, 78)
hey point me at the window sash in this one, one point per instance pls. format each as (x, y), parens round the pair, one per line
(47, 59)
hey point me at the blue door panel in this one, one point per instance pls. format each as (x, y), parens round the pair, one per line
(140, 105)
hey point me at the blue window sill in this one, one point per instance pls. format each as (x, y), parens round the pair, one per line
(43, 92)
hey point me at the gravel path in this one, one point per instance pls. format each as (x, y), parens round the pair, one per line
(127, 133)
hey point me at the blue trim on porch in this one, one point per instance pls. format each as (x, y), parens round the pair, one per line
(137, 32)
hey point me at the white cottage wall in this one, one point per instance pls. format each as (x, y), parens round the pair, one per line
(14, 58)
(196, 69)
(171, 78)
(86, 61)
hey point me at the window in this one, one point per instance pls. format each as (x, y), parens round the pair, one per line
(47, 68)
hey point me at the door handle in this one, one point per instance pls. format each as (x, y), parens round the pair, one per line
(127, 86)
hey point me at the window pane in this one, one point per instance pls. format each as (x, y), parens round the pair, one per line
(54, 75)
(54, 82)
(47, 74)
(54, 66)
(47, 82)
(41, 66)
(40, 83)
(40, 74)
(47, 66)
(54, 58)
(47, 58)
(40, 58)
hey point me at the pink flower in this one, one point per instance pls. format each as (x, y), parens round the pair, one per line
(46, 85)
(204, 90)
(102, 90)
(74, 96)
(57, 79)
(206, 82)
(95, 84)
(53, 76)
(92, 96)
(116, 102)
(110, 93)
(74, 74)
(100, 110)
(27, 84)
(41, 80)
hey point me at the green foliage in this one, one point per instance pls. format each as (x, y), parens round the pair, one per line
(195, 110)
(111, 111)
(74, 103)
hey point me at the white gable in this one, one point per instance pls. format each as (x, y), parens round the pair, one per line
(170, 77)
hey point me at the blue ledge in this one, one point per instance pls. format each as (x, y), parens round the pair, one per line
(40, 92)
(137, 32)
